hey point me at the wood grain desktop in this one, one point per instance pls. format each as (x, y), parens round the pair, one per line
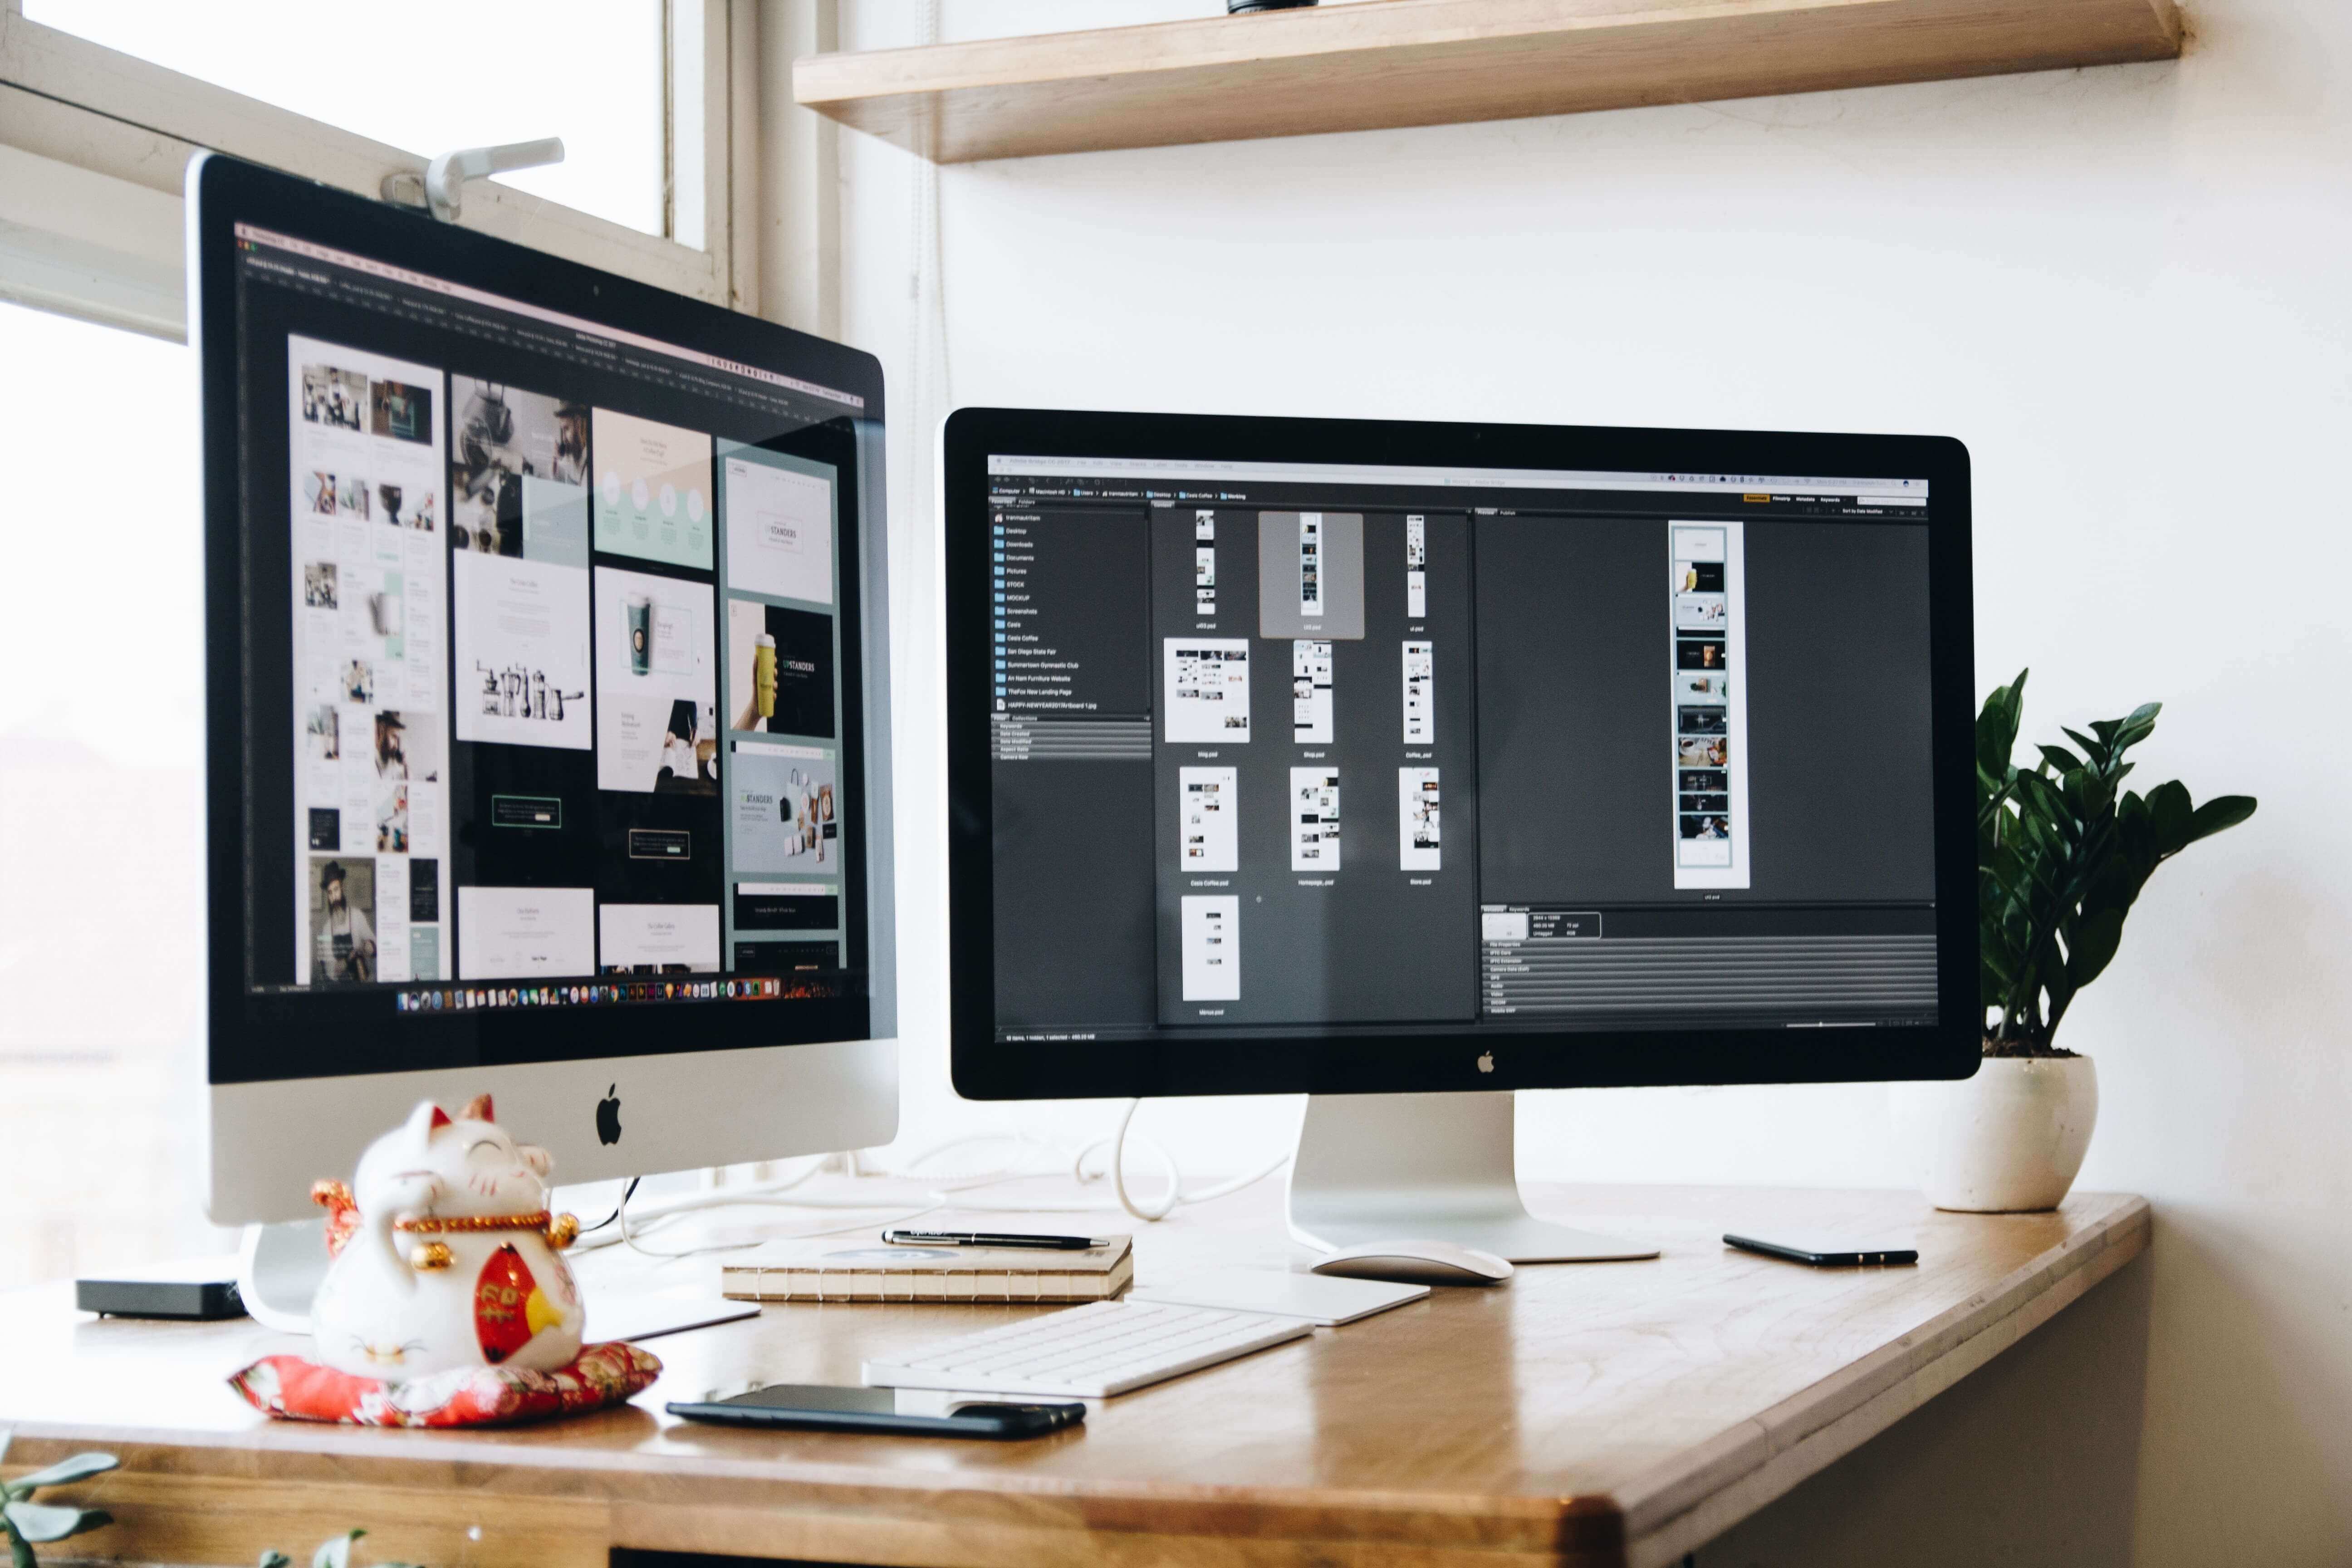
(1584, 1414)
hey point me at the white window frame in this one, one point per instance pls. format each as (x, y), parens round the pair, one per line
(94, 144)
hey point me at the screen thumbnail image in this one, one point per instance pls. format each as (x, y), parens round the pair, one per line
(1208, 826)
(656, 939)
(522, 651)
(1314, 819)
(511, 934)
(1310, 575)
(400, 412)
(334, 397)
(657, 691)
(780, 525)
(343, 921)
(1206, 694)
(1419, 693)
(407, 748)
(519, 467)
(1418, 822)
(653, 483)
(1310, 692)
(1211, 933)
(785, 807)
(779, 669)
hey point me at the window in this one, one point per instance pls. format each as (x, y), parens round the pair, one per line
(100, 802)
(362, 97)
(431, 75)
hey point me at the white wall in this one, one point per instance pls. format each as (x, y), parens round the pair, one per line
(2128, 289)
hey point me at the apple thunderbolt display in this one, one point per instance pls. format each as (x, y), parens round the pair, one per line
(1393, 763)
(548, 721)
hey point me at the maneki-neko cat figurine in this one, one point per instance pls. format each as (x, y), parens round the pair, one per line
(446, 1256)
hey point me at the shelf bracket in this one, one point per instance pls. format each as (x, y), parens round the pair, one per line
(441, 188)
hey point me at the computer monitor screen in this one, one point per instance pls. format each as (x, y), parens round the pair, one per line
(1295, 766)
(537, 663)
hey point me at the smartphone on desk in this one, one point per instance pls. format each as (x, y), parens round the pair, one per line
(907, 1412)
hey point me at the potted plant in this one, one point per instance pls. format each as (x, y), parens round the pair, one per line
(2062, 851)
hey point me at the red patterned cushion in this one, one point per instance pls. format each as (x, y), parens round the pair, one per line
(297, 1390)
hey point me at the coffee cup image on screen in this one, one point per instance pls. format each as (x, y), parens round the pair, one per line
(1702, 750)
(652, 490)
(785, 807)
(342, 920)
(779, 669)
(657, 687)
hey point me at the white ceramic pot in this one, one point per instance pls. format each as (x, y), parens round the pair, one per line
(2007, 1139)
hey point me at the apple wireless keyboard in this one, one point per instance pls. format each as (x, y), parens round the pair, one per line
(1088, 1353)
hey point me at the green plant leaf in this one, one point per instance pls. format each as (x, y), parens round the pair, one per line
(273, 1558)
(2169, 814)
(2096, 751)
(2223, 811)
(2114, 886)
(2059, 757)
(65, 1472)
(1997, 729)
(336, 1553)
(49, 1521)
(20, 1553)
(2094, 947)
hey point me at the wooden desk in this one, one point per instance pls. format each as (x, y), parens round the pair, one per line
(1587, 1414)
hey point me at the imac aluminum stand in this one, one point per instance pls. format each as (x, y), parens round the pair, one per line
(1392, 1167)
(279, 1268)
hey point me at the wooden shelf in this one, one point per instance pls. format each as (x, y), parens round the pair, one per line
(1433, 62)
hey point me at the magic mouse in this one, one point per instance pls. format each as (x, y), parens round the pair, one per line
(1419, 1261)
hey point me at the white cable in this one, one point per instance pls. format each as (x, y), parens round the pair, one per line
(629, 1237)
(948, 1195)
(1175, 1198)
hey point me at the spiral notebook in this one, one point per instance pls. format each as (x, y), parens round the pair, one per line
(837, 1270)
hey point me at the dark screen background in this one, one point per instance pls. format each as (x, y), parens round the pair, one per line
(1574, 692)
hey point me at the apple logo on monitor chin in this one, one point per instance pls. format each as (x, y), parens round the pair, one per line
(608, 1116)
(1485, 1062)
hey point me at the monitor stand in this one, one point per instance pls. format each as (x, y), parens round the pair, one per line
(280, 1267)
(1398, 1167)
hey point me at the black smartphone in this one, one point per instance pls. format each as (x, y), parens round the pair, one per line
(827, 1407)
(1827, 1252)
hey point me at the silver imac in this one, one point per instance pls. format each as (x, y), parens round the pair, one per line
(548, 717)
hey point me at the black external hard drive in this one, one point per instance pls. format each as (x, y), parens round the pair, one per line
(201, 1289)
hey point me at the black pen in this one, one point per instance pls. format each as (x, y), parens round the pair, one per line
(991, 1238)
